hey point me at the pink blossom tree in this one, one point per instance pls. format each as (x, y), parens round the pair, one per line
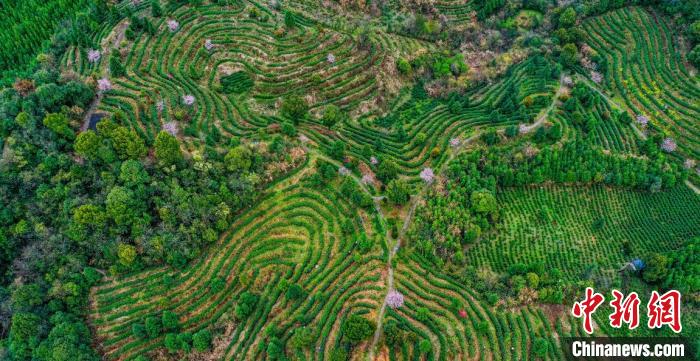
(208, 44)
(173, 25)
(642, 120)
(188, 99)
(330, 58)
(668, 145)
(171, 128)
(596, 77)
(427, 175)
(394, 299)
(104, 85)
(94, 55)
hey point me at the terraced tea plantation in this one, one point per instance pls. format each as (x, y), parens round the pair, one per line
(613, 227)
(646, 72)
(343, 180)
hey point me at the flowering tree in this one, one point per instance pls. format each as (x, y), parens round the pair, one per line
(367, 179)
(171, 128)
(394, 299)
(343, 171)
(303, 138)
(668, 145)
(160, 105)
(642, 120)
(373, 160)
(455, 142)
(94, 55)
(173, 25)
(330, 58)
(596, 77)
(188, 99)
(522, 128)
(208, 44)
(427, 175)
(689, 163)
(104, 85)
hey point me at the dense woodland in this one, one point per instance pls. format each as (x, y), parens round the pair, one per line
(260, 165)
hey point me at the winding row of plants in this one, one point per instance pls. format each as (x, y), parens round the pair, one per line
(291, 237)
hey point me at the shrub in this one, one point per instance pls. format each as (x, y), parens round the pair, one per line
(398, 191)
(357, 328)
(202, 340)
(294, 108)
(153, 327)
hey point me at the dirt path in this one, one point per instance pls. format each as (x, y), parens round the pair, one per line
(390, 268)
(415, 200)
(639, 133)
(111, 42)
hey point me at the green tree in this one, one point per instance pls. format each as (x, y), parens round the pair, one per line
(289, 20)
(58, 123)
(398, 191)
(424, 346)
(121, 205)
(302, 337)
(116, 68)
(238, 159)
(295, 108)
(171, 343)
(167, 149)
(569, 54)
(132, 173)
(294, 292)
(567, 18)
(387, 170)
(24, 334)
(153, 327)
(332, 116)
(484, 201)
(202, 340)
(126, 254)
(156, 9)
(87, 144)
(656, 269)
(540, 347)
(139, 331)
(170, 320)
(357, 328)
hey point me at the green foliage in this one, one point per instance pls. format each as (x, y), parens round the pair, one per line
(201, 340)
(302, 338)
(238, 159)
(167, 149)
(295, 108)
(356, 328)
(236, 83)
(332, 116)
(245, 305)
(398, 192)
(116, 68)
(59, 124)
(170, 320)
(540, 347)
(569, 54)
(153, 326)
